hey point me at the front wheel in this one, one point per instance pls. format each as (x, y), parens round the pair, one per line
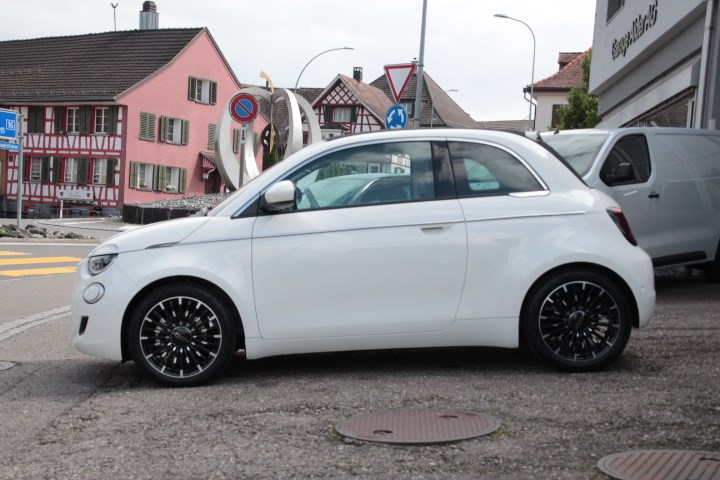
(578, 320)
(181, 335)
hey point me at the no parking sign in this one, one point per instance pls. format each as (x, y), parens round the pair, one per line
(244, 107)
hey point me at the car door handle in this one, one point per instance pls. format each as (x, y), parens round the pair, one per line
(653, 195)
(435, 229)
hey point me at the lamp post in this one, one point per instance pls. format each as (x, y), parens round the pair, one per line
(432, 106)
(532, 75)
(316, 56)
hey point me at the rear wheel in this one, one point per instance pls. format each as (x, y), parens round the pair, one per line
(712, 269)
(578, 320)
(181, 335)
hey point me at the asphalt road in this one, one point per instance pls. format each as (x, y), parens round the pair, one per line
(66, 415)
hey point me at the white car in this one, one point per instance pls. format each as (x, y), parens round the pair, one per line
(396, 239)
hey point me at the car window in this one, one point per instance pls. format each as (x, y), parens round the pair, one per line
(578, 149)
(487, 170)
(364, 175)
(630, 150)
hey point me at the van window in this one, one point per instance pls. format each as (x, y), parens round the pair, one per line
(628, 162)
(579, 150)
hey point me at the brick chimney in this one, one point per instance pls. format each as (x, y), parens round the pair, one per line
(149, 18)
(357, 74)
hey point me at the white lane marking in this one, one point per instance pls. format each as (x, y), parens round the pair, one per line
(13, 327)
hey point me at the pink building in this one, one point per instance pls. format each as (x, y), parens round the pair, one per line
(114, 118)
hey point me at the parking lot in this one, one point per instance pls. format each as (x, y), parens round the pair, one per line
(65, 415)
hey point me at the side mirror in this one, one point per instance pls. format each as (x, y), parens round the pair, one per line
(279, 196)
(623, 173)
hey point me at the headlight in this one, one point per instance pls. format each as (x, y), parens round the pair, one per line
(99, 263)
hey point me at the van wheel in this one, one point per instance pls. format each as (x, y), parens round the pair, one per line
(180, 335)
(578, 320)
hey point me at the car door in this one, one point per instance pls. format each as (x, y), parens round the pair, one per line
(361, 253)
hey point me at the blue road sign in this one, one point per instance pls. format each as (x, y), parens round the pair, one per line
(396, 117)
(13, 147)
(8, 124)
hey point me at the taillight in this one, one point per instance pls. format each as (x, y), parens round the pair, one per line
(619, 218)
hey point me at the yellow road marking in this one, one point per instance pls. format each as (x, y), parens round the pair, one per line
(37, 271)
(8, 254)
(36, 260)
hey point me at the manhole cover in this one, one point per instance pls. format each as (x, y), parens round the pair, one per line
(662, 465)
(418, 426)
(6, 365)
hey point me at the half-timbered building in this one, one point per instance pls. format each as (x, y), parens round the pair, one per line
(113, 118)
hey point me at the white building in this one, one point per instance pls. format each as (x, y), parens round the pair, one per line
(655, 62)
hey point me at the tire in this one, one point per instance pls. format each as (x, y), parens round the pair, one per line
(712, 269)
(181, 335)
(577, 321)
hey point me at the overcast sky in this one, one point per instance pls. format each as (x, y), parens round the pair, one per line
(487, 60)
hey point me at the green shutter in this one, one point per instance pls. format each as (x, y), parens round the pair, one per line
(110, 175)
(113, 127)
(328, 114)
(45, 170)
(58, 117)
(236, 140)
(163, 128)
(158, 183)
(83, 170)
(353, 114)
(133, 175)
(185, 134)
(147, 126)
(56, 170)
(85, 120)
(212, 135)
(192, 84)
(213, 93)
(182, 180)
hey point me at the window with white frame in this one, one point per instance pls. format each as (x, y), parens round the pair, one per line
(36, 169)
(174, 130)
(100, 166)
(102, 120)
(71, 170)
(72, 122)
(341, 114)
(202, 91)
(144, 175)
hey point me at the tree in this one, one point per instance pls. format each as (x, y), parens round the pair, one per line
(582, 108)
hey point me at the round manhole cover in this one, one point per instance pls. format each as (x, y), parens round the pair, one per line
(6, 365)
(418, 426)
(662, 465)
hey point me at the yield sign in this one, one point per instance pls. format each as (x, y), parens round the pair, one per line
(398, 77)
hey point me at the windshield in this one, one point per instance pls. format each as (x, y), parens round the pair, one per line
(578, 149)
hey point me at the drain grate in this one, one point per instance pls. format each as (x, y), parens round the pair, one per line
(418, 426)
(662, 465)
(6, 365)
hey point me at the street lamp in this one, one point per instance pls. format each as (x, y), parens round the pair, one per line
(532, 77)
(316, 56)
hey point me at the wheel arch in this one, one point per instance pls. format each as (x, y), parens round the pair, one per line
(179, 279)
(622, 284)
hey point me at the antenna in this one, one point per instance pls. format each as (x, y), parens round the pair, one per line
(114, 6)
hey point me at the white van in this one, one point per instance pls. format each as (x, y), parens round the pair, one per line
(667, 181)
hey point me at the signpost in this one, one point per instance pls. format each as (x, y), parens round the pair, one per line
(398, 77)
(11, 130)
(396, 117)
(243, 108)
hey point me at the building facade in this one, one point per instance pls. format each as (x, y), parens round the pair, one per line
(655, 62)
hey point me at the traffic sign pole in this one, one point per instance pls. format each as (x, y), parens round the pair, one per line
(20, 169)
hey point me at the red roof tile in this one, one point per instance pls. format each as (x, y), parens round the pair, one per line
(568, 77)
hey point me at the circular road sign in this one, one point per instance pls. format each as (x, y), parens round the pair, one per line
(244, 107)
(396, 117)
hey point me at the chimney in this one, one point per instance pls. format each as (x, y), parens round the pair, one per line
(149, 18)
(357, 74)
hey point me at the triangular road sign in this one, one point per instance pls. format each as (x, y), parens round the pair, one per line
(398, 77)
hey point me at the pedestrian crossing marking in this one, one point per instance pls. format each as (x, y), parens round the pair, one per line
(20, 259)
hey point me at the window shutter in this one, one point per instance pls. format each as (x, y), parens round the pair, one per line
(163, 129)
(236, 140)
(256, 142)
(147, 126)
(185, 134)
(85, 119)
(213, 93)
(212, 134)
(113, 126)
(182, 180)
(133, 174)
(83, 170)
(157, 181)
(110, 174)
(55, 170)
(45, 171)
(58, 117)
(353, 114)
(328, 114)
(192, 84)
